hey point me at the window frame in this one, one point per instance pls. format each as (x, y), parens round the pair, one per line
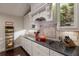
(75, 16)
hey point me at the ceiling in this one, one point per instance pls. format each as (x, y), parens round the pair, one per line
(15, 9)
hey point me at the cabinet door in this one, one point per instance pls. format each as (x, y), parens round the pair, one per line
(35, 6)
(27, 21)
(23, 42)
(39, 50)
(28, 46)
(43, 50)
(54, 53)
(17, 42)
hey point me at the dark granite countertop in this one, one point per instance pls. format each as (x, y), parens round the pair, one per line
(58, 47)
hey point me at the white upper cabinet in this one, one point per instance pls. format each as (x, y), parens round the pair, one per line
(41, 12)
(67, 15)
(34, 6)
(27, 21)
(44, 10)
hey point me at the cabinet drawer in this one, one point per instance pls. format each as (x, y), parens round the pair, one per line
(54, 53)
(42, 53)
(37, 52)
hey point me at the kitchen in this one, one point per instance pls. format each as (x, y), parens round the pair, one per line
(39, 29)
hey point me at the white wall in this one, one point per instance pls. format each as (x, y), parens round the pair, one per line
(18, 27)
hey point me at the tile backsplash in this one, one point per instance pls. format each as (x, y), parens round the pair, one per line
(74, 36)
(49, 32)
(48, 28)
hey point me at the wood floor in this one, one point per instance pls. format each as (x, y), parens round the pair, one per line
(19, 51)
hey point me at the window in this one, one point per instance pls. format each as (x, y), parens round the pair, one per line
(66, 14)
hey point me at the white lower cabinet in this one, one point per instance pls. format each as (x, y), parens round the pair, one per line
(39, 50)
(23, 42)
(35, 49)
(54, 53)
(26, 44)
